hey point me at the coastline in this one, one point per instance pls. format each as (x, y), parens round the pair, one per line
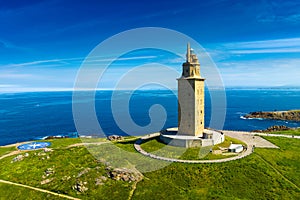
(141, 136)
(289, 115)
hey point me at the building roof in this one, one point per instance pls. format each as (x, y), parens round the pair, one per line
(235, 146)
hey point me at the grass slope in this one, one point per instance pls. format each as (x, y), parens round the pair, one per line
(248, 178)
(16, 192)
(67, 164)
(265, 174)
(6, 150)
(288, 132)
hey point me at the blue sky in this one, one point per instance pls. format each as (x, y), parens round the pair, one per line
(254, 43)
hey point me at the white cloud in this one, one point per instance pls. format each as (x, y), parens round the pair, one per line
(120, 59)
(263, 46)
(241, 64)
(288, 42)
(8, 86)
(37, 62)
(261, 72)
(63, 61)
(10, 75)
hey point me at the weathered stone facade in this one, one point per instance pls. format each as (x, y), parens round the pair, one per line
(191, 97)
(190, 131)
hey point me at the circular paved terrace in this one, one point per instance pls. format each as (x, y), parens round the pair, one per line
(33, 145)
(248, 138)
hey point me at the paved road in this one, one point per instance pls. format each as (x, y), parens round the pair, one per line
(250, 138)
(246, 137)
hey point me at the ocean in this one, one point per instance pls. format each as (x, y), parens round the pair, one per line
(34, 115)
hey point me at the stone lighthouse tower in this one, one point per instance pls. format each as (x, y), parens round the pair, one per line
(191, 97)
(190, 131)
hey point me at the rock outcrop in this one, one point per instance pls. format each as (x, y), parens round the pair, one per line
(46, 181)
(115, 137)
(86, 170)
(17, 158)
(49, 171)
(80, 187)
(100, 180)
(291, 115)
(125, 174)
(274, 128)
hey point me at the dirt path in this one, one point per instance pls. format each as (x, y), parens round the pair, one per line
(84, 144)
(278, 172)
(132, 190)
(38, 189)
(10, 154)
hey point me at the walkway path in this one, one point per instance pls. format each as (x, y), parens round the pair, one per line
(85, 144)
(10, 154)
(278, 135)
(278, 172)
(38, 189)
(250, 138)
(247, 137)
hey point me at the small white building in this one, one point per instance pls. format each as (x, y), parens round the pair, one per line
(235, 148)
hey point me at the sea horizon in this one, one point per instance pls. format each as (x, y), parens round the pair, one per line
(33, 115)
(150, 89)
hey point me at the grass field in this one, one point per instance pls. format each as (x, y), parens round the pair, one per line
(158, 148)
(265, 174)
(288, 132)
(16, 192)
(67, 164)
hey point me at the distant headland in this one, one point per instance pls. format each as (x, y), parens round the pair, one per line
(290, 115)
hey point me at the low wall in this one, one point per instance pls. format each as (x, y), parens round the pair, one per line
(217, 138)
(181, 142)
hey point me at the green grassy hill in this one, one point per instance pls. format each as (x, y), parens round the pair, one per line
(265, 174)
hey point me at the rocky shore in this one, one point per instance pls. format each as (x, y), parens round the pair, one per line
(291, 115)
(274, 129)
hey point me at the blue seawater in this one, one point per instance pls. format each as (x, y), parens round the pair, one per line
(32, 115)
